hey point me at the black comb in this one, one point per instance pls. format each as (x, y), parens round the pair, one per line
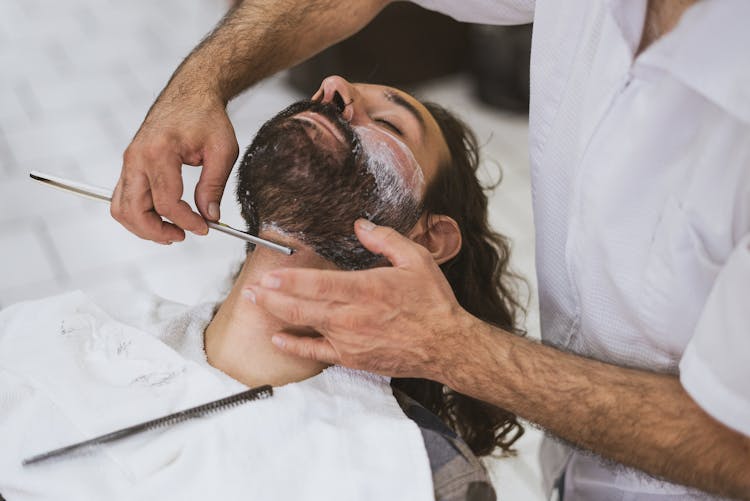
(260, 392)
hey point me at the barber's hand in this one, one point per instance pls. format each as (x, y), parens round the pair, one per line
(400, 321)
(192, 129)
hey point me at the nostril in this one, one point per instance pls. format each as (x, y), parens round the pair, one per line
(338, 101)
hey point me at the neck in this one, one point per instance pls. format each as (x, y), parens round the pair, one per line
(661, 17)
(238, 339)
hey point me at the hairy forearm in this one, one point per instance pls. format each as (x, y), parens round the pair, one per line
(260, 37)
(634, 417)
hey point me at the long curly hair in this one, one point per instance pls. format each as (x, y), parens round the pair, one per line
(481, 280)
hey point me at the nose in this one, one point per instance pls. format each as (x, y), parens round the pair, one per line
(340, 92)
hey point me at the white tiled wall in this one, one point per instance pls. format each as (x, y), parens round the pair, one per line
(78, 76)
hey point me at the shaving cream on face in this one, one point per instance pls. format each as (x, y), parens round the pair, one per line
(389, 160)
(322, 189)
(275, 228)
(398, 176)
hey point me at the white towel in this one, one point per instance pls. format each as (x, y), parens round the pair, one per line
(70, 371)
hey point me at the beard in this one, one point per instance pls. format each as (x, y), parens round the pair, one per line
(296, 180)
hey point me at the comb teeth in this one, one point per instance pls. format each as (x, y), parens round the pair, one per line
(260, 392)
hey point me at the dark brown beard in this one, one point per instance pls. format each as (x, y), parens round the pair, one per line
(315, 191)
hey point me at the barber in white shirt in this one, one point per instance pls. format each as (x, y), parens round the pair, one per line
(640, 158)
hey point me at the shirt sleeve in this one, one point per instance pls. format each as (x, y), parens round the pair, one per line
(484, 11)
(715, 367)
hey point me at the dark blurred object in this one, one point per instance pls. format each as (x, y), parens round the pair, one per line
(500, 64)
(405, 44)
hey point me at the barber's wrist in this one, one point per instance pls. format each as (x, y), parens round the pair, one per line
(184, 91)
(476, 366)
(458, 354)
(194, 81)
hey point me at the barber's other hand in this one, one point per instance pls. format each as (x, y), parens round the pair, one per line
(192, 129)
(400, 321)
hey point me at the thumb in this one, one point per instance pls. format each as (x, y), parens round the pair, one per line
(313, 348)
(217, 164)
(398, 249)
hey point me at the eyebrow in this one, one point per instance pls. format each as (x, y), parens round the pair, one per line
(398, 100)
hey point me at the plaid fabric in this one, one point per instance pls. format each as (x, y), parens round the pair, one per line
(457, 474)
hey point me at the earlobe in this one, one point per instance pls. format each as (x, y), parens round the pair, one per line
(440, 235)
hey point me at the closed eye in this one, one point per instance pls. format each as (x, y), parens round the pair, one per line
(390, 126)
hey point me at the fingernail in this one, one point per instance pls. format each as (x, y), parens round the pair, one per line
(279, 342)
(213, 210)
(270, 282)
(365, 224)
(249, 294)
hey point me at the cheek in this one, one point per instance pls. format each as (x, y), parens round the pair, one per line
(384, 150)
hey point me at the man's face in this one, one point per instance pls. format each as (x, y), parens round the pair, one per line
(389, 119)
(354, 151)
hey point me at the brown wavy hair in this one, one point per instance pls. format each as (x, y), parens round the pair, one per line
(481, 280)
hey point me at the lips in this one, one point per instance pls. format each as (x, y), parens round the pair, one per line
(322, 123)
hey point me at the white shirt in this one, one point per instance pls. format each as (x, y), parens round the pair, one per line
(72, 369)
(641, 189)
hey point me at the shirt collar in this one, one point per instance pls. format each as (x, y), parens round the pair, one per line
(708, 52)
(628, 16)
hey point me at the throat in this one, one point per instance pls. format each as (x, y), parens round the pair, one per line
(240, 346)
(238, 339)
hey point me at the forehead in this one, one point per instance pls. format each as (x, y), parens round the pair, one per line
(431, 149)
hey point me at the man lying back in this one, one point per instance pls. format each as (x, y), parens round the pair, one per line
(71, 369)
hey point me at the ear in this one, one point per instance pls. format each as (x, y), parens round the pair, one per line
(439, 234)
